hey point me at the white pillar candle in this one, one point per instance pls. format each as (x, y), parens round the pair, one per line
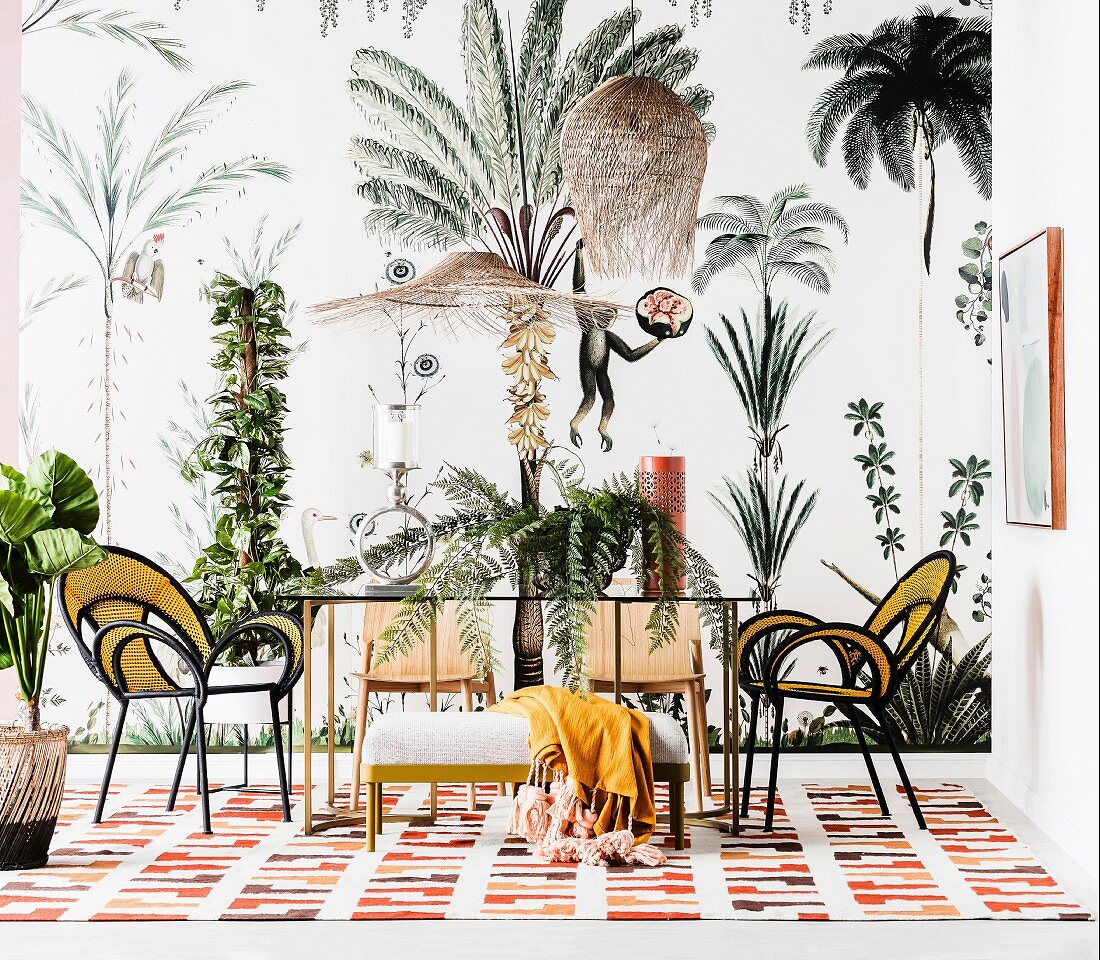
(397, 435)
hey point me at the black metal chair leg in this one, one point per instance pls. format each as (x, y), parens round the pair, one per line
(120, 724)
(777, 735)
(750, 746)
(277, 735)
(290, 739)
(857, 726)
(185, 748)
(200, 758)
(901, 773)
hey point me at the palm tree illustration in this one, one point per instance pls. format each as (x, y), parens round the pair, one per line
(783, 237)
(122, 26)
(908, 88)
(488, 174)
(107, 203)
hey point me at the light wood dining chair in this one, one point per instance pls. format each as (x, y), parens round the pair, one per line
(675, 667)
(411, 673)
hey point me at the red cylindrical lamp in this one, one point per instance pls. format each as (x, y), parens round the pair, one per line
(662, 481)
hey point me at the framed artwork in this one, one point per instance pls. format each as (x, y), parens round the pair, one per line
(1033, 381)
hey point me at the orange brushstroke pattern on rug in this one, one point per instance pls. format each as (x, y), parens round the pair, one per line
(832, 855)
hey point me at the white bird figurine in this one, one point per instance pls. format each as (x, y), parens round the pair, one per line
(311, 516)
(143, 272)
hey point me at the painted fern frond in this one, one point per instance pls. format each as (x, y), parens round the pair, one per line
(62, 151)
(415, 113)
(41, 297)
(183, 203)
(384, 161)
(170, 145)
(489, 100)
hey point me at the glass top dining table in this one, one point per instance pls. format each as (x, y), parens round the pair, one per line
(724, 816)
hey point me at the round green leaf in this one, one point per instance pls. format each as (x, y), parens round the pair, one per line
(54, 552)
(70, 490)
(20, 517)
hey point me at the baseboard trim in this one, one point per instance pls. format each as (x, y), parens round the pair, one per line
(1072, 837)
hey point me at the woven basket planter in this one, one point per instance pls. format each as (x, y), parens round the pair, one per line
(32, 781)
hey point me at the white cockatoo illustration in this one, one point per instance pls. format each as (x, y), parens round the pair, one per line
(311, 516)
(143, 272)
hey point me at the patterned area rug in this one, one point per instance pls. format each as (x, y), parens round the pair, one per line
(833, 856)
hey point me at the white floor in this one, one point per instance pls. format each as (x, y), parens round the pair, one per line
(457, 939)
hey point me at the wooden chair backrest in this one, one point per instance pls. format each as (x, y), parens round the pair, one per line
(452, 662)
(677, 660)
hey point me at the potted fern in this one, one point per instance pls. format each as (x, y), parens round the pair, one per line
(569, 554)
(243, 455)
(46, 519)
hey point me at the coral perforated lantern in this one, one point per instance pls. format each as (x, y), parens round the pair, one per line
(633, 155)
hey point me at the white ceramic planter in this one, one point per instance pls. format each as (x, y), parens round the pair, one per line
(254, 707)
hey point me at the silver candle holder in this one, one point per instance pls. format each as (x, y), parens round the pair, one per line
(397, 453)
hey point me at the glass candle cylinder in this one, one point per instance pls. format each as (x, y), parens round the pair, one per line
(397, 435)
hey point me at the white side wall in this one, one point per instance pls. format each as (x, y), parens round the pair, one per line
(10, 58)
(1045, 583)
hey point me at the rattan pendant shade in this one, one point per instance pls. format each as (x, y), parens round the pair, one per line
(464, 291)
(633, 155)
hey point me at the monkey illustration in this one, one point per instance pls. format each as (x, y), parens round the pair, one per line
(597, 344)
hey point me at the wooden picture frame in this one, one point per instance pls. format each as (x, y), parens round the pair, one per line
(1029, 286)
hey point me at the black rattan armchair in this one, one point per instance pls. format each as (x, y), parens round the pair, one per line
(870, 671)
(124, 610)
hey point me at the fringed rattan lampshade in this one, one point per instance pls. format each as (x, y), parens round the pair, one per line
(464, 291)
(633, 154)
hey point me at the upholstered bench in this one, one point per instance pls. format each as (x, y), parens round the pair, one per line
(488, 747)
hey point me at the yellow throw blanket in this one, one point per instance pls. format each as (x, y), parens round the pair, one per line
(602, 746)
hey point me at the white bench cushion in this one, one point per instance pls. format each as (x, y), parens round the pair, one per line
(484, 737)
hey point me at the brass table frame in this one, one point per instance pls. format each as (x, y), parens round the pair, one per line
(725, 817)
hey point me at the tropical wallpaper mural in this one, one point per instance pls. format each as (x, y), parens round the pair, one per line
(822, 364)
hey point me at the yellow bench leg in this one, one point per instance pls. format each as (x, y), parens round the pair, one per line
(372, 813)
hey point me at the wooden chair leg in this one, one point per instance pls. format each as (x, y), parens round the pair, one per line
(704, 739)
(371, 826)
(360, 734)
(433, 801)
(378, 807)
(691, 708)
(467, 687)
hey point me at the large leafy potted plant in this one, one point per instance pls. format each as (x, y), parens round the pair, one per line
(46, 518)
(248, 563)
(569, 552)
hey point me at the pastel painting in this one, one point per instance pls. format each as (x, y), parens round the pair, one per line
(1025, 352)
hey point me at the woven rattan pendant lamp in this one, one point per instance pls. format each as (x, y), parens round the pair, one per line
(469, 290)
(633, 155)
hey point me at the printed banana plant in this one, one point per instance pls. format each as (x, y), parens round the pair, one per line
(107, 204)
